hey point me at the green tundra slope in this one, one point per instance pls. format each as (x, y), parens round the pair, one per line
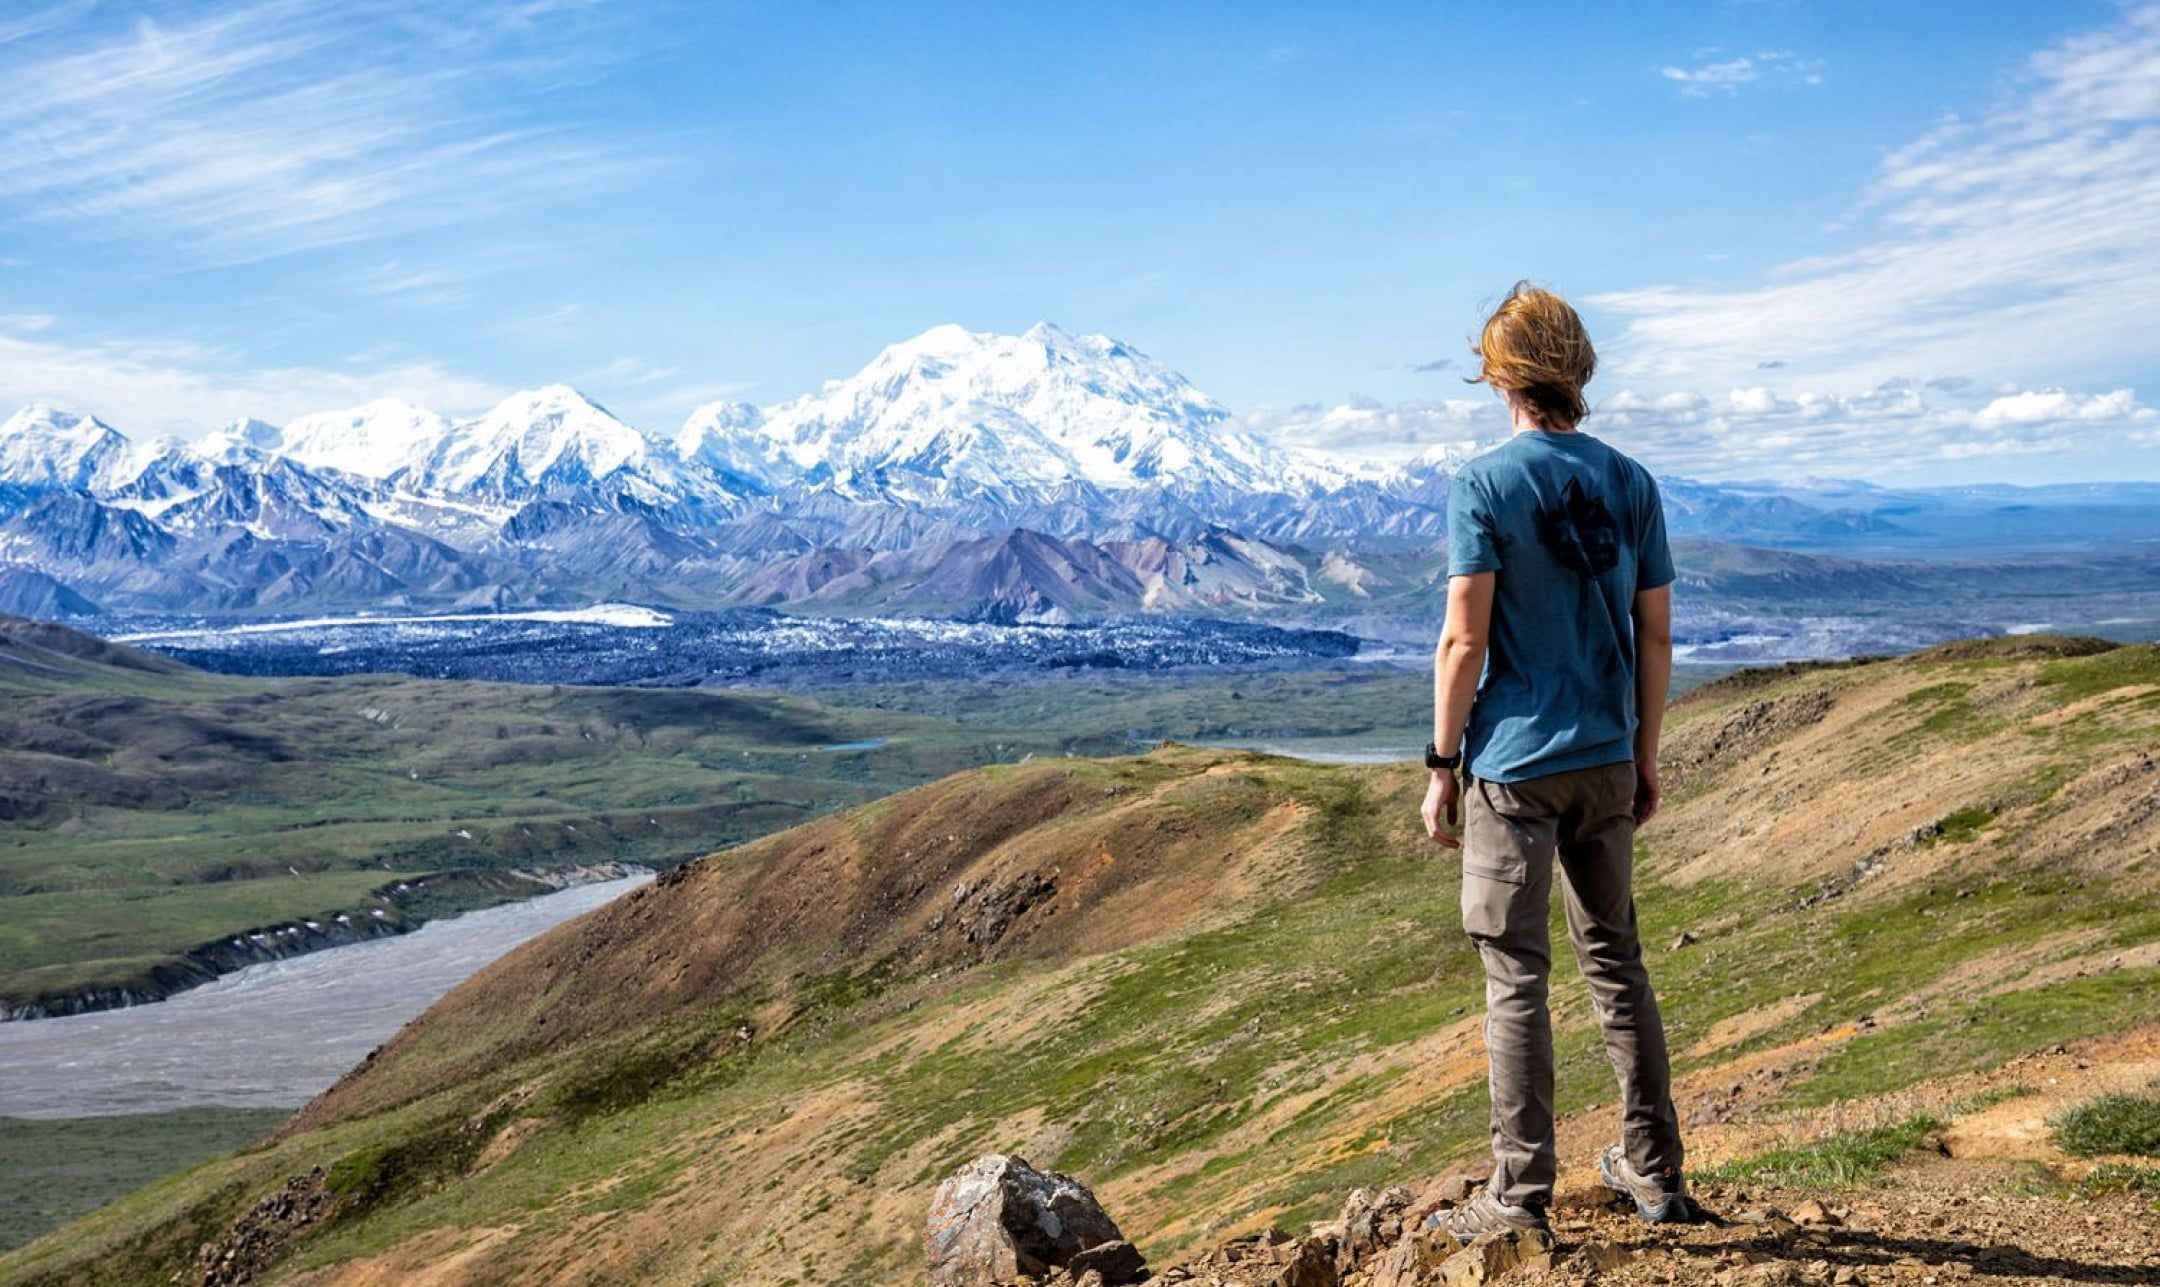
(147, 808)
(1223, 988)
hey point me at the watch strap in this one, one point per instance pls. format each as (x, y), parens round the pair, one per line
(1436, 761)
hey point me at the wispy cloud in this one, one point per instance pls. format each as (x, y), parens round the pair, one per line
(1894, 429)
(1730, 75)
(37, 22)
(2022, 244)
(1367, 430)
(249, 131)
(659, 408)
(147, 388)
(630, 372)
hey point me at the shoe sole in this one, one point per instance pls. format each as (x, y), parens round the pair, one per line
(1673, 1210)
(1431, 1223)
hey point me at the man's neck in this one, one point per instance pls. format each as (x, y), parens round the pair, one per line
(1524, 424)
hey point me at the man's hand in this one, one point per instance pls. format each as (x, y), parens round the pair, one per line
(1443, 809)
(1646, 790)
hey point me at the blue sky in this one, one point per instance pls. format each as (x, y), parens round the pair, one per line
(1908, 242)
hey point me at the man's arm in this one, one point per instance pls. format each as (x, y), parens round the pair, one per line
(1460, 658)
(1457, 664)
(1653, 682)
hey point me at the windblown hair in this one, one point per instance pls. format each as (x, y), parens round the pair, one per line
(1535, 346)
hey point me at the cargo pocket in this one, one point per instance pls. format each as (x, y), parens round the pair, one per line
(1496, 859)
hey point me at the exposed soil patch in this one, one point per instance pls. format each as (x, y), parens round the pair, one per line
(1752, 1023)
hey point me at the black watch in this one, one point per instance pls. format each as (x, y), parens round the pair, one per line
(1436, 761)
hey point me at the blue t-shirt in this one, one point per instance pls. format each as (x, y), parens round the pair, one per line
(1573, 530)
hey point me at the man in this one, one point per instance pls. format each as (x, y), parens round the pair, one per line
(1549, 690)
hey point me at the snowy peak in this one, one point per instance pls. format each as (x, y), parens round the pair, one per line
(259, 435)
(43, 446)
(1045, 408)
(372, 441)
(727, 438)
(549, 435)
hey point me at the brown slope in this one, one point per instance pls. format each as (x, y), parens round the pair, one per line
(1050, 860)
(1848, 775)
(43, 647)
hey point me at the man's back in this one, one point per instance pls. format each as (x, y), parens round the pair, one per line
(1558, 627)
(1572, 530)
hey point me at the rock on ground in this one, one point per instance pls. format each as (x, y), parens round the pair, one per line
(1000, 1220)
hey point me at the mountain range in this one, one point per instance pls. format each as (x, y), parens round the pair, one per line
(1037, 476)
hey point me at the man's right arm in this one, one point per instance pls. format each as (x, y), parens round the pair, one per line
(1653, 683)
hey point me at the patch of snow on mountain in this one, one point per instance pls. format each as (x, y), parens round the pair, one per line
(726, 438)
(626, 615)
(371, 441)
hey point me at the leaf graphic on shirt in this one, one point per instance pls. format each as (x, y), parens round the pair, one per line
(1580, 531)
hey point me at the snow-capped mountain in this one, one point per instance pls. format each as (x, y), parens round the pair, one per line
(728, 439)
(541, 438)
(224, 479)
(535, 442)
(373, 441)
(43, 447)
(959, 471)
(955, 411)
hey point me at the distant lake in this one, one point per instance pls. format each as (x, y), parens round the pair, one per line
(1327, 750)
(269, 1036)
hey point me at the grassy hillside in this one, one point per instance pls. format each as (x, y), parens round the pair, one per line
(57, 1169)
(1222, 987)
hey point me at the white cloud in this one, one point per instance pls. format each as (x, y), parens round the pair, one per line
(1730, 75)
(2023, 244)
(243, 132)
(2057, 406)
(1892, 429)
(149, 388)
(1366, 430)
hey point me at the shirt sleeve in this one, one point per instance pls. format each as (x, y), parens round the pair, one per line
(1471, 545)
(1653, 560)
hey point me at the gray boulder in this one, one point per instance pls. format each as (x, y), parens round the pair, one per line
(999, 1219)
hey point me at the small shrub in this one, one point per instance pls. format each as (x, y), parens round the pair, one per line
(2111, 1124)
(1854, 1157)
(382, 1174)
(2122, 1177)
(1959, 827)
(1987, 1099)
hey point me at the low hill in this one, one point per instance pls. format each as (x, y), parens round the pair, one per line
(1227, 988)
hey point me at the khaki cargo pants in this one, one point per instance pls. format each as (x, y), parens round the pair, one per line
(1512, 833)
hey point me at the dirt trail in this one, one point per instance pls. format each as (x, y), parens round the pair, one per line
(1987, 1198)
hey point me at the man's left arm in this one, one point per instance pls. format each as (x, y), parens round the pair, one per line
(1457, 664)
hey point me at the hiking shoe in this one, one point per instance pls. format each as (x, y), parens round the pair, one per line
(1485, 1214)
(1661, 1199)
